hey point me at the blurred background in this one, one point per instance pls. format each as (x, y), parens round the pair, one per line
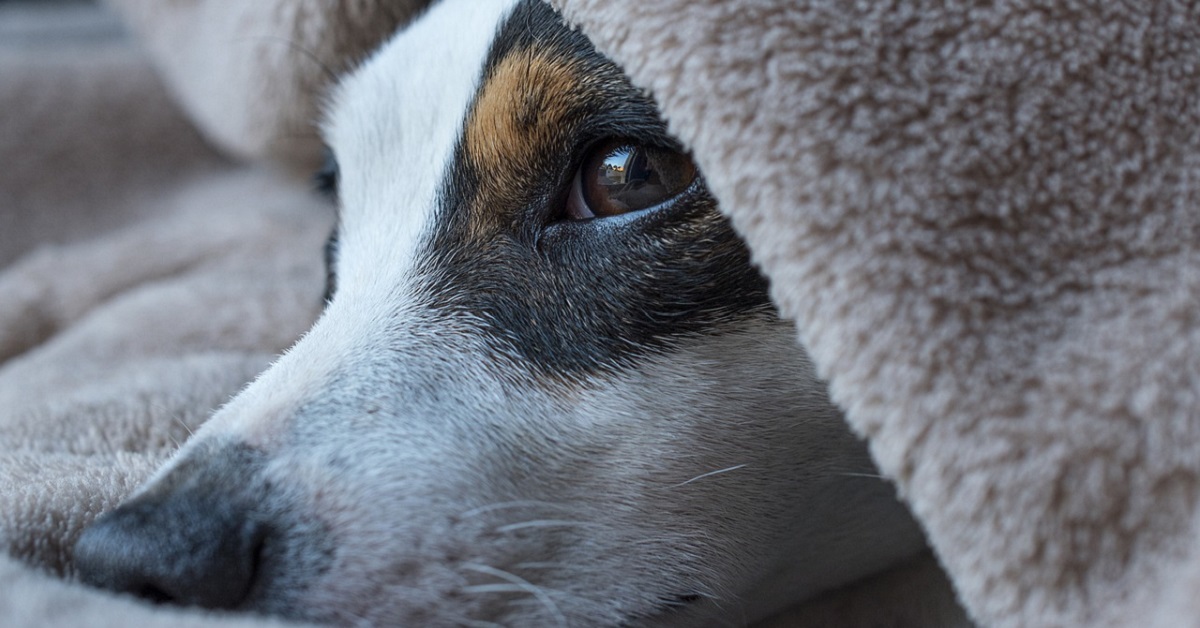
(29, 23)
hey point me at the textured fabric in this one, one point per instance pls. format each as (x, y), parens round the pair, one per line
(73, 167)
(253, 74)
(982, 216)
(30, 600)
(146, 279)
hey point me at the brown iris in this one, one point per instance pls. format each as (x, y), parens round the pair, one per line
(622, 177)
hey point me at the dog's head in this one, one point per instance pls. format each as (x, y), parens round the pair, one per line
(548, 388)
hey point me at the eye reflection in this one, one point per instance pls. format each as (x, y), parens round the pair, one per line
(618, 178)
(613, 168)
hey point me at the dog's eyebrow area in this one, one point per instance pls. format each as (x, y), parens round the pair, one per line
(545, 95)
(528, 108)
(526, 100)
(464, 218)
(573, 299)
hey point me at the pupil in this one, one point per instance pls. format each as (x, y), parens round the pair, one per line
(621, 178)
(623, 167)
(629, 180)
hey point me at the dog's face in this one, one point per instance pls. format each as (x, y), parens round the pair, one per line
(548, 389)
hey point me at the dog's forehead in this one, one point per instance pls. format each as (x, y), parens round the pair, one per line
(395, 123)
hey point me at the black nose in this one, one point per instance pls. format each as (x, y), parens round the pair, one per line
(187, 550)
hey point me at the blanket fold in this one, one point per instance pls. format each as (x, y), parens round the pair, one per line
(252, 75)
(147, 280)
(981, 215)
(983, 218)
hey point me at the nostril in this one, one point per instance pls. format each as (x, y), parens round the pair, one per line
(174, 551)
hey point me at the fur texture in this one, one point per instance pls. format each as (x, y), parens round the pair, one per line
(982, 217)
(892, 165)
(419, 457)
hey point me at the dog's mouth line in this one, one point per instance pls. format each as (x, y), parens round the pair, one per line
(154, 595)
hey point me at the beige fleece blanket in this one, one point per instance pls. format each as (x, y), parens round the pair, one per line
(984, 218)
(981, 214)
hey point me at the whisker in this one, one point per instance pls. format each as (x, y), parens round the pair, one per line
(710, 474)
(520, 584)
(161, 408)
(495, 588)
(351, 618)
(184, 425)
(542, 565)
(849, 474)
(477, 623)
(545, 523)
(523, 503)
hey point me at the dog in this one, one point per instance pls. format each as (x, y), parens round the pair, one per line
(548, 387)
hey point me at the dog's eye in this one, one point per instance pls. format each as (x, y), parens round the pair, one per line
(325, 180)
(622, 177)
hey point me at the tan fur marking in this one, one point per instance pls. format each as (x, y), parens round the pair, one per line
(522, 113)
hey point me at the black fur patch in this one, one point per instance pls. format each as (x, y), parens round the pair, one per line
(325, 182)
(572, 297)
(565, 297)
(331, 254)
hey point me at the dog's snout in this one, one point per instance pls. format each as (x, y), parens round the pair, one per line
(182, 550)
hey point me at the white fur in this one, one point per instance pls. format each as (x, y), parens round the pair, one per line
(457, 490)
(395, 144)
